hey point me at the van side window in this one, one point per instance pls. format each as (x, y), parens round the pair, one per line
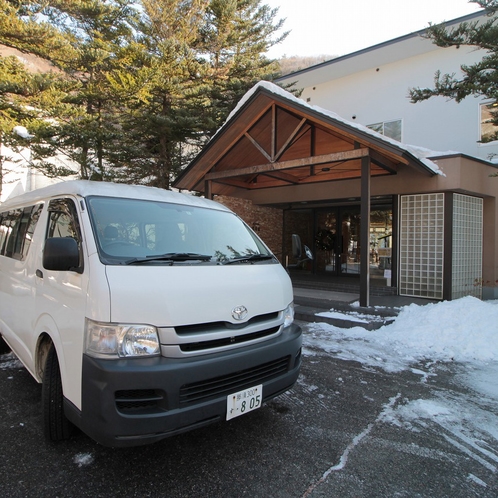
(16, 231)
(29, 220)
(63, 221)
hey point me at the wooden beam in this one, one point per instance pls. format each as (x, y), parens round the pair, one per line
(249, 184)
(208, 189)
(293, 163)
(383, 162)
(290, 139)
(273, 132)
(260, 149)
(285, 177)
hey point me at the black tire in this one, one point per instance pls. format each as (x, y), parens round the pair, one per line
(55, 424)
(4, 347)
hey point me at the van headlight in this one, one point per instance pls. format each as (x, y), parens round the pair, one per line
(289, 315)
(119, 340)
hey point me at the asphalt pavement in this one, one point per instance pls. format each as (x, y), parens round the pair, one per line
(327, 437)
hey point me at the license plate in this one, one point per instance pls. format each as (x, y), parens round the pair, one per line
(244, 401)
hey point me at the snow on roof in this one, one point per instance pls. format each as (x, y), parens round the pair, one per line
(419, 153)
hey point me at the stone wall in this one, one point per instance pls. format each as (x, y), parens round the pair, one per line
(266, 222)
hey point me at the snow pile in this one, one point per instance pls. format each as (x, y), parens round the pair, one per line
(464, 330)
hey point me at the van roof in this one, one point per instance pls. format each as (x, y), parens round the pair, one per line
(85, 188)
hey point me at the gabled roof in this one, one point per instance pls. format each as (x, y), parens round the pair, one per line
(273, 139)
(387, 52)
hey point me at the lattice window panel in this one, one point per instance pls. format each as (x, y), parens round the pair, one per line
(467, 246)
(421, 245)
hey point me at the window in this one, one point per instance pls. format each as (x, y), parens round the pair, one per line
(63, 222)
(421, 245)
(16, 231)
(133, 228)
(488, 130)
(391, 129)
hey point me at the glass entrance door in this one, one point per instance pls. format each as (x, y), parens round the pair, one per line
(333, 234)
(338, 244)
(350, 247)
(326, 242)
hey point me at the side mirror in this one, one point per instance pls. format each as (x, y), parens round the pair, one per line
(61, 254)
(297, 250)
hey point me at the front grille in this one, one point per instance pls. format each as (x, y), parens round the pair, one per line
(227, 341)
(216, 326)
(228, 384)
(139, 401)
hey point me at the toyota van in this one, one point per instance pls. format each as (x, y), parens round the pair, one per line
(143, 313)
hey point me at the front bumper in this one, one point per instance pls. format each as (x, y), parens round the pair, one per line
(129, 402)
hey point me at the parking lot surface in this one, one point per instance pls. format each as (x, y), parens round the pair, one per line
(345, 429)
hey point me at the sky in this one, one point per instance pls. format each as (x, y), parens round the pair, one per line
(339, 27)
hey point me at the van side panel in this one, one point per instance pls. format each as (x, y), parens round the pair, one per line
(18, 298)
(61, 309)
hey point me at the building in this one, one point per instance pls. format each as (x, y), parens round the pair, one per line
(431, 217)
(430, 228)
(371, 87)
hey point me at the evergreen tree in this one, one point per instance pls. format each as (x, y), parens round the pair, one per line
(235, 39)
(479, 79)
(86, 123)
(202, 55)
(139, 86)
(159, 126)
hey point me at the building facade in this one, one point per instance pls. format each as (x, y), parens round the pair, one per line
(371, 87)
(372, 209)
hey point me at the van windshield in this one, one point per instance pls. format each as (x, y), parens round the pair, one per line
(130, 231)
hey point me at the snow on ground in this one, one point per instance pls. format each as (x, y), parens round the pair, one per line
(462, 332)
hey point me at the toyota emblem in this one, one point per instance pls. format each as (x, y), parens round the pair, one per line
(239, 313)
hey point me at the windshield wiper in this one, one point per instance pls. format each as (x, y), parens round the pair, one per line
(248, 259)
(170, 257)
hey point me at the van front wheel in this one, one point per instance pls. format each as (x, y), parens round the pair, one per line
(55, 424)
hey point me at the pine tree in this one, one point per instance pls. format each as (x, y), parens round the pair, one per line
(160, 125)
(479, 79)
(86, 123)
(66, 110)
(26, 96)
(235, 38)
(202, 55)
(140, 86)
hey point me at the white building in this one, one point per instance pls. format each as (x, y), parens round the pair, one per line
(18, 173)
(371, 86)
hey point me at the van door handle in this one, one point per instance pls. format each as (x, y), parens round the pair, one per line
(39, 273)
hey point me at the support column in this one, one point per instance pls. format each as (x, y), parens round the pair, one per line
(365, 233)
(208, 189)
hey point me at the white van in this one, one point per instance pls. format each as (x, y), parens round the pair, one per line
(144, 313)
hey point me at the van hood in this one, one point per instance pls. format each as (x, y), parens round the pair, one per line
(169, 296)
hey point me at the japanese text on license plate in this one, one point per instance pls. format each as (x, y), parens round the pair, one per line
(244, 401)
